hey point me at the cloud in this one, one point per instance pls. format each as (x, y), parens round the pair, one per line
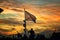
(17, 10)
(5, 30)
(10, 21)
(46, 11)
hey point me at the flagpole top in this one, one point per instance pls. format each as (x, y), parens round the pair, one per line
(24, 9)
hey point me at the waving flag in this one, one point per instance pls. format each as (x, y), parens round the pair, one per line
(1, 10)
(30, 17)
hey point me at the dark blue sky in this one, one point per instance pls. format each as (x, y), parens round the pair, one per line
(39, 2)
(34, 2)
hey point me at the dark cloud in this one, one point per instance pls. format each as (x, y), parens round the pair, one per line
(11, 21)
(5, 30)
(17, 10)
(21, 3)
(34, 2)
(2, 1)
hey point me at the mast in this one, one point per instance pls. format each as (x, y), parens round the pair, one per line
(25, 21)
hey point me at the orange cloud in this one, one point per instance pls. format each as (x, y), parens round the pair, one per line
(49, 14)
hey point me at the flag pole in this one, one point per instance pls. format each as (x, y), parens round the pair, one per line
(25, 22)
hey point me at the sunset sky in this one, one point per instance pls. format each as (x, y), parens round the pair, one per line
(47, 13)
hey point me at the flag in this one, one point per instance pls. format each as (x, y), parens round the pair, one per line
(30, 17)
(1, 10)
